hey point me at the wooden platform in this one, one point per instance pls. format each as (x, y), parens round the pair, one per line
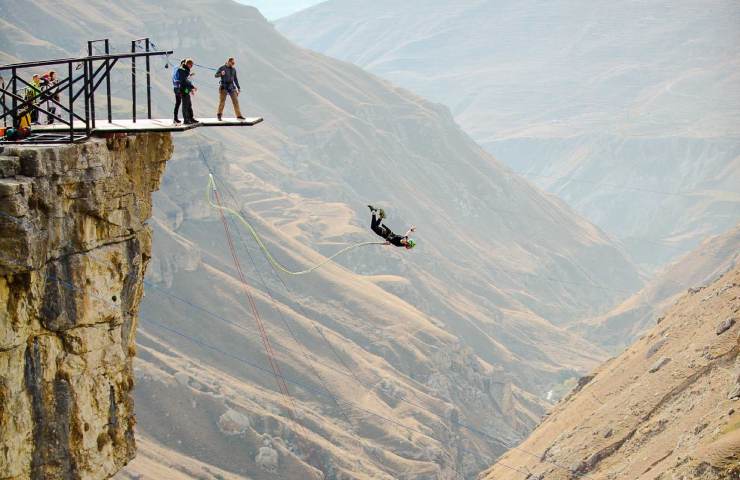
(146, 125)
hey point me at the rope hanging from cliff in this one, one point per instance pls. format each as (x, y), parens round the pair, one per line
(261, 244)
(274, 366)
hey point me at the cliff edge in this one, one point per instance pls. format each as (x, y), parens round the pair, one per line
(74, 248)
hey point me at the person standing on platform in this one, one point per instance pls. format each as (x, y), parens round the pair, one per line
(50, 94)
(186, 90)
(176, 89)
(32, 93)
(229, 85)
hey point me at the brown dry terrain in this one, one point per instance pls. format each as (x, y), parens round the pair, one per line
(664, 409)
(421, 364)
(391, 356)
(630, 115)
(622, 325)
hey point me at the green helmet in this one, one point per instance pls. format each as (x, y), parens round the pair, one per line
(411, 243)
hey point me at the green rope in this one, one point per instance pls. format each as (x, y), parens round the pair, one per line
(258, 239)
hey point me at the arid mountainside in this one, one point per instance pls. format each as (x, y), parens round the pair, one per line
(666, 408)
(74, 247)
(350, 347)
(630, 115)
(420, 364)
(622, 325)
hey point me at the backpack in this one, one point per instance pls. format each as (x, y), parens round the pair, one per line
(175, 79)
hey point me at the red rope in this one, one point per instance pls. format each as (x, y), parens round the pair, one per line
(274, 366)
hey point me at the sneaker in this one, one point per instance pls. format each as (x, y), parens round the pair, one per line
(372, 209)
(240, 118)
(176, 121)
(218, 116)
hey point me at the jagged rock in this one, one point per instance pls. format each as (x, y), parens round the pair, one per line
(693, 290)
(267, 457)
(74, 249)
(173, 253)
(390, 392)
(724, 288)
(655, 347)
(9, 166)
(232, 422)
(725, 325)
(734, 393)
(659, 364)
(582, 382)
(182, 378)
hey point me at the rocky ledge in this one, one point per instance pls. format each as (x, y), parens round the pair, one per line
(74, 247)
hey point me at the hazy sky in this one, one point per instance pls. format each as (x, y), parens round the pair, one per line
(274, 9)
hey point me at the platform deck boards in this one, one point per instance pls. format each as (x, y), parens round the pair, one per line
(146, 125)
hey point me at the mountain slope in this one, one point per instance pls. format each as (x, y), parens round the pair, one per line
(471, 322)
(665, 408)
(623, 324)
(629, 115)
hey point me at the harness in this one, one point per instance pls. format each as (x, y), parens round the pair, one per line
(222, 81)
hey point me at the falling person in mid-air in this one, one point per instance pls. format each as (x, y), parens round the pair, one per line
(386, 233)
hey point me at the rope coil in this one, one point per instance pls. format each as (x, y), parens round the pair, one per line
(261, 244)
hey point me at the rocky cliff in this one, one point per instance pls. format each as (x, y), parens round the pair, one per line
(666, 408)
(74, 247)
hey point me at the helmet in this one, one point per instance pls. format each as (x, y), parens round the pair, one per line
(411, 243)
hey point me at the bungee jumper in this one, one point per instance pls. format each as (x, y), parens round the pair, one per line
(386, 233)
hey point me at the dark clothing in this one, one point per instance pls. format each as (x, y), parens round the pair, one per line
(229, 79)
(187, 108)
(32, 93)
(385, 232)
(50, 94)
(186, 87)
(183, 79)
(178, 101)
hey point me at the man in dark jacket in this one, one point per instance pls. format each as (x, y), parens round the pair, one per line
(386, 233)
(186, 89)
(176, 89)
(229, 85)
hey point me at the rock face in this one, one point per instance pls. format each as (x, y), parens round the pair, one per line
(641, 418)
(73, 251)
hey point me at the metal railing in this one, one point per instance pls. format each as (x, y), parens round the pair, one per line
(16, 108)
